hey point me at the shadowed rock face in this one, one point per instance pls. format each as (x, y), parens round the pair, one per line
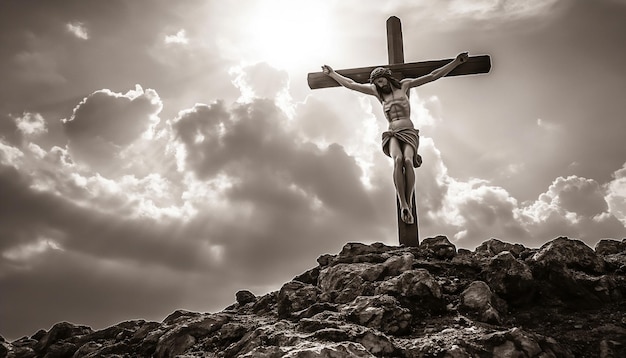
(502, 300)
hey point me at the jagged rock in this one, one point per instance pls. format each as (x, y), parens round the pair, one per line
(478, 298)
(332, 350)
(244, 296)
(39, 334)
(314, 309)
(411, 284)
(417, 290)
(396, 265)
(171, 345)
(309, 276)
(266, 303)
(88, 349)
(493, 247)
(573, 254)
(381, 312)
(617, 262)
(3, 349)
(325, 260)
(440, 246)
(60, 350)
(120, 331)
(296, 296)
(358, 253)
(320, 321)
(60, 331)
(609, 247)
(180, 315)
(342, 283)
(510, 278)
(143, 330)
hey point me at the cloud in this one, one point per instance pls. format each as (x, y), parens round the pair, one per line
(105, 122)
(616, 194)
(488, 9)
(179, 38)
(471, 211)
(31, 124)
(260, 81)
(78, 29)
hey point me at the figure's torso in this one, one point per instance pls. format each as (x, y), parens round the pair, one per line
(397, 109)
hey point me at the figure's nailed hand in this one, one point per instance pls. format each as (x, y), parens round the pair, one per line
(462, 57)
(327, 69)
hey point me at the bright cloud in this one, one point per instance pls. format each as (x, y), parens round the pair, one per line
(31, 124)
(179, 38)
(484, 9)
(616, 194)
(78, 29)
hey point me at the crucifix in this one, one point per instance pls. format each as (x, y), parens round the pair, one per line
(406, 75)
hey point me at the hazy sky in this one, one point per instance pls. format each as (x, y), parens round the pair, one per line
(158, 155)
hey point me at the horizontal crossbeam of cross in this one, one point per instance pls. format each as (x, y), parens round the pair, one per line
(474, 65)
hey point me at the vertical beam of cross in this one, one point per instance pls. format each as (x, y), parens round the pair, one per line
(395, 47)
(408, 235)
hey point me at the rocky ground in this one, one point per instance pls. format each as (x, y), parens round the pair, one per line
(564, 299)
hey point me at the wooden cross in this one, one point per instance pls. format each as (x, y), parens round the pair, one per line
(408, 235)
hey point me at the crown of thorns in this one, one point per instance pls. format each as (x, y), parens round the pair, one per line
(379, 72)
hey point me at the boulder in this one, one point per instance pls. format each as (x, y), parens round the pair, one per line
(332, 350)
(296, 296)
(510, 278)
(342, 283)
(478, 299)
(244, 297)
(609, 247)
(417, 290)
(565, 252)
(493, 247)
(381, 312)
(61, 331)
(171, 345)
(440, 247)
(395, 265)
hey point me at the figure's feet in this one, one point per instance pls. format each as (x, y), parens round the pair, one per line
(407, 216)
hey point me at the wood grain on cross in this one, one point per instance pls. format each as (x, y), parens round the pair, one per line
(408, 235)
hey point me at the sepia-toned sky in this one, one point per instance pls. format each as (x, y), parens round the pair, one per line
(159, 155)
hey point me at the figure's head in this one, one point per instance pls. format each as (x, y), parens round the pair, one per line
(379, 72)
(382, 79)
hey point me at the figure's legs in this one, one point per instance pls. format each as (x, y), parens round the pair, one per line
(395, 150)
(409, 177)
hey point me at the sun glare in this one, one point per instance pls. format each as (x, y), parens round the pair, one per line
(286, 33)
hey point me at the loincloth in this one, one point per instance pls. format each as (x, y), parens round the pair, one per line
(408, 136)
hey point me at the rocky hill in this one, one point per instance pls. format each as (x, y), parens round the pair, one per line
(563, 299)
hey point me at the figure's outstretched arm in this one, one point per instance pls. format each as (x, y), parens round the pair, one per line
(348, 82)
(435, 74)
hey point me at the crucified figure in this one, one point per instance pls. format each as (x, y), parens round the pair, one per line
(401, 141)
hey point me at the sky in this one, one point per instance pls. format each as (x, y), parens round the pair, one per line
(159, 155)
